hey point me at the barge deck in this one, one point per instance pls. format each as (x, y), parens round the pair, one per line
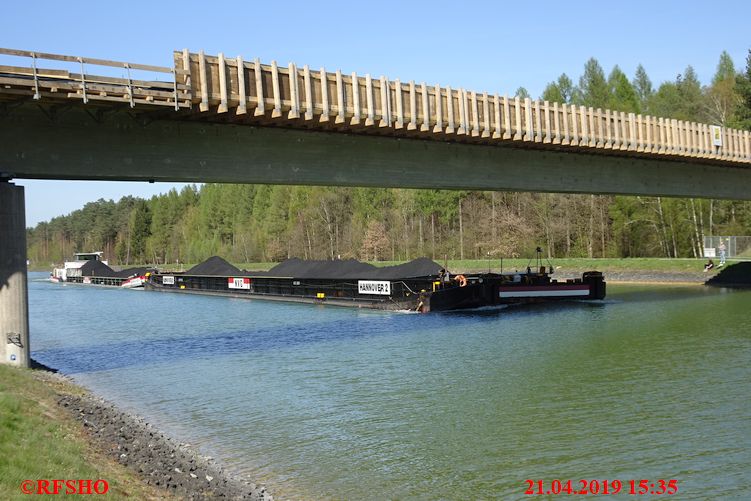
(420, 285)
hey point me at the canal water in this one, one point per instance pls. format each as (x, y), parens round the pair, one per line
(333, 403)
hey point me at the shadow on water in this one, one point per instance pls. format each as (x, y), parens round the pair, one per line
(662, 293)
(137, 352)
(524, 309)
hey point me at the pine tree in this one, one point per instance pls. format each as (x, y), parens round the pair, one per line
(743, 87)
(522, 93)
(643, 88)
(593, 87)
(560, 91)
(623, 97)
(722, 97)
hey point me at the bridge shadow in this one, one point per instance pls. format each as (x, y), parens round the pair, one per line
(137, 352)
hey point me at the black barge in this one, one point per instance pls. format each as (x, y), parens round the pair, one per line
(420, 285)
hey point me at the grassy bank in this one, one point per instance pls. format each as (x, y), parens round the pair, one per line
(612, 265)
(38, 440)
(647, 265)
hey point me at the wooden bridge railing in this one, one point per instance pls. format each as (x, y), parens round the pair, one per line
(319, 99)
(55, 83)
(232, 89)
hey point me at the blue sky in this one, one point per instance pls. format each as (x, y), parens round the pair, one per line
(494, 46)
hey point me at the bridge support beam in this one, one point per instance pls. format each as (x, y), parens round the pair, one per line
(14, 303)
(76, 143)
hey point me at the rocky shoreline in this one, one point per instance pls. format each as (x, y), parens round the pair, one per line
(156, 459)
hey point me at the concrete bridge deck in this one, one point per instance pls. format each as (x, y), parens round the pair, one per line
(232, 90)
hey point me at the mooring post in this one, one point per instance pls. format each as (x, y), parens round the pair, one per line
(14, 303)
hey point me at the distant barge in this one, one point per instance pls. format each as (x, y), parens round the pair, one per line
(420, 285)
(90, 269)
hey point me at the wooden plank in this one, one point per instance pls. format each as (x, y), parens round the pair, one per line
(294, 93)
(537, 122)
(356, 116)
(485, 125)
(277, 111)
(86, 60)
(703, 141)
(325, 110)
(617, 139)
(631, 131)
(308, 83)
(258, 75)
(223, 108)
(683, 132)
(738, 134)
(546, 115)
(506, 118)
(41, 72)
(438, 110)
(412, 125)
(242, 108)
(575, 137)
(464, 128)
(341, 106)
(385, 103)
(624, 130)
(399, 123)
(450, 110)
(582, 117)
(370, 120)
(529, 130)
(660, 136)
(675, 136)
(475, 115)
(565, 140)
(608, 132)
(497, 129)
(188, 77)
(556, 124)
(204, 106)
(600, 128)
(425, 122)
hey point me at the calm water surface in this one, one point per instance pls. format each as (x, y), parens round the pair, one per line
(330, 403)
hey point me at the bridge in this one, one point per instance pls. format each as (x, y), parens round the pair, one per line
(219, 119)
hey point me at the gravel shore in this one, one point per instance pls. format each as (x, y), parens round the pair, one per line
(155, 458)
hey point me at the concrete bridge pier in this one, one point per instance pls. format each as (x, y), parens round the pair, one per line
(14, 302)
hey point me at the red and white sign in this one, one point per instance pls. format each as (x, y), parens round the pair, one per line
(545, 291)
(238, 283)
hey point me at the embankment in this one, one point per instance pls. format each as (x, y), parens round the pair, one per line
(163, 467)
(736, 275)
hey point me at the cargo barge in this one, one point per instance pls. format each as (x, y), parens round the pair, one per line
(89, 268)
(420, 285)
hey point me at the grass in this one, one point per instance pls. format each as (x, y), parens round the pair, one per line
(664, 265)
(565, 265)
(38, 440)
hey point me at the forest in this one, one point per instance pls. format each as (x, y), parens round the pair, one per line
(265, 223)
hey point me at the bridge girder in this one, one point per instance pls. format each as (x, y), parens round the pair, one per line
(120, 146)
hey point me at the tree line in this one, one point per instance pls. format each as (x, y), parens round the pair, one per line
(251, 223)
